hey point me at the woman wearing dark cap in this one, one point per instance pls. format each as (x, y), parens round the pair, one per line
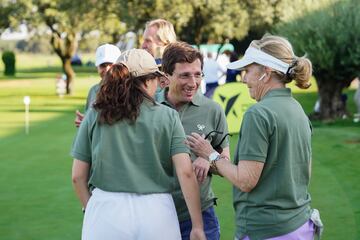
(125, 151)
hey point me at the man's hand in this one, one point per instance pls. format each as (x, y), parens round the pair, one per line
(78, 118)
(201, 168)
(200, 146)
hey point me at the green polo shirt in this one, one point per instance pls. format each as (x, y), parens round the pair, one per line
(277, 132)
(201, 115)
(134, 157)
(91, 96)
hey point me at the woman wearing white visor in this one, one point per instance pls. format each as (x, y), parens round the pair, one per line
(273, 156)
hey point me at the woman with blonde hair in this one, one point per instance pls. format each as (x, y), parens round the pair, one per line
(273, 157)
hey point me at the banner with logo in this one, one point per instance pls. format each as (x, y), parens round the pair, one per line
(235, 100)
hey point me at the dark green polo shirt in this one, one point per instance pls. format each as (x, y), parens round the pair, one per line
(134, 157)
(277, 132)
(201, 115)
(91, 96)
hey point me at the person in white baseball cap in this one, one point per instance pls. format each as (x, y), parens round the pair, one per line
(272, 169)
(105, 56)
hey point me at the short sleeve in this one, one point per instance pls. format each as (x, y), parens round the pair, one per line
(178, 137)
(254, 138)
(81, 148)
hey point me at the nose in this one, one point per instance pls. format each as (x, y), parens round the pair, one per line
(192, 81)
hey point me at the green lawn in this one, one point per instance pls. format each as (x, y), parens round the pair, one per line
(37, 200)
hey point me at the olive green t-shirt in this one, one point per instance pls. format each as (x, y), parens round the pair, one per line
(277, 132)
(134, 157)
(201, 115)
(91, 96)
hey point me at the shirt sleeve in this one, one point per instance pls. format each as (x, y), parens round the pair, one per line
(254, 138)
(81, 148)
(221, 126)
(178, 137)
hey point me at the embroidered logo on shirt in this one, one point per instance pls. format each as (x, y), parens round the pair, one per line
(201, 127)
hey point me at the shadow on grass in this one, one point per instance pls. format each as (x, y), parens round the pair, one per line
(47, 72)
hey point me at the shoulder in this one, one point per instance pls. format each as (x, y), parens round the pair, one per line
(95, 87)
(163, 111)
(209, 104)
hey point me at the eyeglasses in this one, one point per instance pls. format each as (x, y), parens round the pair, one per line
(218, 147)
(186, 75)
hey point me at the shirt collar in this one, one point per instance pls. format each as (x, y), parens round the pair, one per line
(278, 92)
(196, 100)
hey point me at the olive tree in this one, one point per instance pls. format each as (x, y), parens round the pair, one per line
(331, 39)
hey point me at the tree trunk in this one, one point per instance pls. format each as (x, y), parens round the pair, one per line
(69, 72)
(332, 103)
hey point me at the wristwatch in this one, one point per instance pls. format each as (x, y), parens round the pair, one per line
(214, 156)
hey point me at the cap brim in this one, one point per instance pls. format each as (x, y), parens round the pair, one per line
(239, 64)
(162, 74)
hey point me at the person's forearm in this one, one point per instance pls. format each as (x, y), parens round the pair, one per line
(80, 176)
(82, 191)
(190, 189)
(244, 176)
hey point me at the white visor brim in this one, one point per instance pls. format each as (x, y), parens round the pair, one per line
(253, 55)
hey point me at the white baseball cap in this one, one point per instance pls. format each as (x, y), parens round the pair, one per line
(106, 53)
(254, 55)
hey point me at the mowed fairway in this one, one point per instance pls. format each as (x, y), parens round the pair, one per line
(37, 199)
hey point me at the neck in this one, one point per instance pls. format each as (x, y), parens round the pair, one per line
(272, 85)
(171, 98)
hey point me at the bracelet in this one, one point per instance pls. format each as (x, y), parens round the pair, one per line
(214, 167)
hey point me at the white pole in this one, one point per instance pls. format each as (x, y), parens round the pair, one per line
(27, 115)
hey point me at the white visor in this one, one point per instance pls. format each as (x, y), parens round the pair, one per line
(253, 55)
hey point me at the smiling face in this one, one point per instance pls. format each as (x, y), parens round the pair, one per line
(254, 75)
(184, 82)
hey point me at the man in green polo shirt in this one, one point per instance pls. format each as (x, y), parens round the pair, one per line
(183, 64)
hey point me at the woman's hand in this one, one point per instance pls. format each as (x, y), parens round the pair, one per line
(197, 234)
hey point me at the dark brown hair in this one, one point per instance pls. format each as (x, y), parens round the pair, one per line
(120, 95)
(179, 52)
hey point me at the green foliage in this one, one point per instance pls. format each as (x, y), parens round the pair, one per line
(8, 58)
(195, 21)
(330, 38)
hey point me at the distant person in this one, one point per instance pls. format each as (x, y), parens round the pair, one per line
(357, 102)
(223, 59)
(211, 77)
(127, 163)
(105, 56)
(183, 65)
(272, 168)
(231, 74)
(157, 35)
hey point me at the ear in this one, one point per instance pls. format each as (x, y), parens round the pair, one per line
(164, 82)
(268, 72)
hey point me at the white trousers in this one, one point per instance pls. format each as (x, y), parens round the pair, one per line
(130, 216)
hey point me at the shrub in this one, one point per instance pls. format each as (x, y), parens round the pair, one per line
(8, 58)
